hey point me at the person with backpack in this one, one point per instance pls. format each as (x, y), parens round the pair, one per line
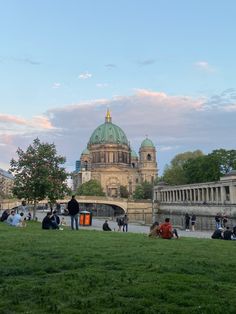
(120, 223)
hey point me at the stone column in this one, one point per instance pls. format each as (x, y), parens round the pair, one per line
(232, 194)
(212, 195)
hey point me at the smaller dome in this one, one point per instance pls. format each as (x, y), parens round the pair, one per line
(133, 154)
(85, 152)
(147, 143)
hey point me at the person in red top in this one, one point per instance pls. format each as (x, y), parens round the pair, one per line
(166, 230)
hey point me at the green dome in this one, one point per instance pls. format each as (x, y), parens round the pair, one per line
(147, 143)
(133, 154)
(108, 133)
(85, 152)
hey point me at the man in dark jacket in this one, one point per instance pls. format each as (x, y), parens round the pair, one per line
(73, 209)
(47, 223)
(55, 219)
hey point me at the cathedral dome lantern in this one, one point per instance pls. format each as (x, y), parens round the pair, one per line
(108, 133)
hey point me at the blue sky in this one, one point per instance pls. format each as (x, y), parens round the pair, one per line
(165, 68)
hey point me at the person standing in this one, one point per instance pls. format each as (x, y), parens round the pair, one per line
(125, 223)
(193, 221)
(218, 220)
(187, 221)
(73, 209)
(23, 208)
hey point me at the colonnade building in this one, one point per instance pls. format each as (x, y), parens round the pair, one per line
(220, 195)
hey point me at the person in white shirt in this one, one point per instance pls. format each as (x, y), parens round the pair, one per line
(18, 220)
(10, 217)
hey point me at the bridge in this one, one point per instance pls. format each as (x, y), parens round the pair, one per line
(139, 210)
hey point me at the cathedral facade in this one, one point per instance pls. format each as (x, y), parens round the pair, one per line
(110, 160)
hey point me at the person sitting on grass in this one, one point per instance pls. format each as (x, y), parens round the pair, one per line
(105, 226)
(154, 230)
(18, 220)
(217, 234)
(63, 222)
(166, 230)
(234, 233)
(10, 218)
(47, 222)
(5, 214)
(55, 219)
(227, 235)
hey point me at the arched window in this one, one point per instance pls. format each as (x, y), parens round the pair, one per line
(149, 157)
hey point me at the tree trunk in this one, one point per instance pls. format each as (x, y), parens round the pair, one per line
(34, 210)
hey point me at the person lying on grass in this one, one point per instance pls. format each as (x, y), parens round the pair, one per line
(166, 230)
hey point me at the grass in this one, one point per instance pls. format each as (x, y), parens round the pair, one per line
(50, 271)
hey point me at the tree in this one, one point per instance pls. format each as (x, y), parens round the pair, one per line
(210, 167)
(175, 174)
(202, 169)
(143, 191)
(226, 159)
(91, 188)
(38, 173)
(138, 193)
(124, 192)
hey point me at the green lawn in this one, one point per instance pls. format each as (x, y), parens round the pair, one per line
(50, 271)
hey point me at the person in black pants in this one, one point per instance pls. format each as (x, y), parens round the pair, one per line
(73, 209)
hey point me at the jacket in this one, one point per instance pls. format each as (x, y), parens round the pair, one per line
(73, 207)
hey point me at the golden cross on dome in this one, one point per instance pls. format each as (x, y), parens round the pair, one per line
(108, 115)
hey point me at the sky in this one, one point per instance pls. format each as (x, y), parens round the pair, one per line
(165, 68)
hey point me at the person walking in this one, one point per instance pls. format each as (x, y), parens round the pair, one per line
(193, 221)
(73, 209)
(125, 223)
(187, 221)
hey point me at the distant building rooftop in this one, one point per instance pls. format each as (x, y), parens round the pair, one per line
(6, 174)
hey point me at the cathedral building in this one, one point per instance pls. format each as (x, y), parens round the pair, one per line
(110, 160)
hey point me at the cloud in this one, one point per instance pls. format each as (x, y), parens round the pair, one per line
(110, 65)
(101, 85)
(146, 62)
(226, 101)
(11, 123)
(175, 123)
(85, 76)
(204, 66)
(167, 148)
(21, 60)
(56, 85)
